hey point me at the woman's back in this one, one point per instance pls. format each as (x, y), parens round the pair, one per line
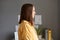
(26, 31)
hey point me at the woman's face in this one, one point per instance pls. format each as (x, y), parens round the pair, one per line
(33, 12)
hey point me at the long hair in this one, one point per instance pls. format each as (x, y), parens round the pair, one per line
(26, 13)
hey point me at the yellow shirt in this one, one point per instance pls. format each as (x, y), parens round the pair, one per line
(26, 31)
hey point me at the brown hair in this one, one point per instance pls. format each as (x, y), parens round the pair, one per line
(26, 13)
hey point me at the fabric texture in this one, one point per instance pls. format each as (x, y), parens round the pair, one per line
(26, 31)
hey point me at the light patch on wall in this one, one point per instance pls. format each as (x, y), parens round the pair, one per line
(18, 18)
(16, 35)
(38, 19)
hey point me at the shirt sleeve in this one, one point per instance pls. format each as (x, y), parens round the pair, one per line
(24, 32)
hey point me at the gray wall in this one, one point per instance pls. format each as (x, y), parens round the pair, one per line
(8, 19)
(59, 19)
(11, 8)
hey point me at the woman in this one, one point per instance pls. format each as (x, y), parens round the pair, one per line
(26, 30)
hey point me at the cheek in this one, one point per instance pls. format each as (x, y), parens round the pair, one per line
(34, 13)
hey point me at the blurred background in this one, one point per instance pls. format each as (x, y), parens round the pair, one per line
(10, 9)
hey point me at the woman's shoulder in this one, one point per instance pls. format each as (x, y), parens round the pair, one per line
(24, 22)
(22, 25)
